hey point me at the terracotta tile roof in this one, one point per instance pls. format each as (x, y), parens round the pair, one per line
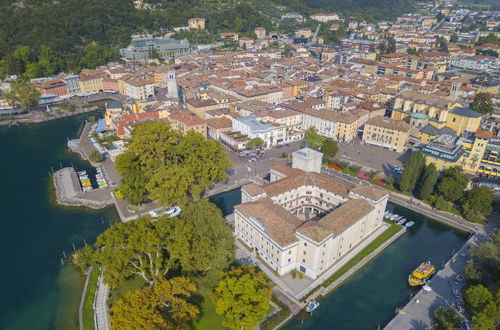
(221, 122)
(278, 223)
(370, 192)
(253, 189)
(286, 170)
(345, 215)
(393, 124)
(483, 134)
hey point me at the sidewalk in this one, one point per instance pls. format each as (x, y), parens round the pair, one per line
(100, 306)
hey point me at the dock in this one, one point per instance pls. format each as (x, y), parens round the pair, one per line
(69, 193)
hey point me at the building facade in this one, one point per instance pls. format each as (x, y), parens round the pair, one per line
(306, 221)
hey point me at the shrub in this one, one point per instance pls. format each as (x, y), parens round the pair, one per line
(363, 176)
(355, 168)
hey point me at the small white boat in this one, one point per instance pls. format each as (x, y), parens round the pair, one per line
(394, 217)
(387, 215)
(170, 212)
(402, 221)
(409, 224)
(311, 306)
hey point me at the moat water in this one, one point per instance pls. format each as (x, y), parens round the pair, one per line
(38, 292)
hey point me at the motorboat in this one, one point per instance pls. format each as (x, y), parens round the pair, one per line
(312, 305)
(409, 224)
(394, 217)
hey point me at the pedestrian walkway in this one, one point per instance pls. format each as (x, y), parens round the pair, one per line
(100, 306)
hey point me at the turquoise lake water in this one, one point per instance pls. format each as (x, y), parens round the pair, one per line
(36, 292)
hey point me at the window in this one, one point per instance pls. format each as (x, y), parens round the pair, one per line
(305, 253)
(302, 269)
(290, 252)
(289, 260)
(305, 243)
(304, 261)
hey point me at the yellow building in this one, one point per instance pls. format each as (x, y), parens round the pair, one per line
(90, 84)
(304, 33)
(196, 23)
(387, 133)
(476, 153)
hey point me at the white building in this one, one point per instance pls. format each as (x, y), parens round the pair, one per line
(139, 89)
(253, 127)
(306, 221)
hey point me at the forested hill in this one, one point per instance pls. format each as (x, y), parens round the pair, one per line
(41, 37)
(362, 9)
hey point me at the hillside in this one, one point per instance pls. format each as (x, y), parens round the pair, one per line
(40, 37)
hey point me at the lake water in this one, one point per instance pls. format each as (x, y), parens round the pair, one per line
(36, 292)
(369, 298)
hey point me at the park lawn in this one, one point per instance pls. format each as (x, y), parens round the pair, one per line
(88, 303)
(391, 231)
(208, 318)
(131, 284)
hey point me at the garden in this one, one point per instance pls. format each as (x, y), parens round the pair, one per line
(356, 171)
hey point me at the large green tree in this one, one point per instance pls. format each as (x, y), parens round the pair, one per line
(329, 148)
(256, 142)
(132, 178)
(428, 181)
(478, 199)
(452, 183)
(22, 93)
(447, 317)
(412, 171)
(313, 138)
(168, 167)
(242, 297)
(165, 305)
(135, 248)
(199, 240)
(482, 103)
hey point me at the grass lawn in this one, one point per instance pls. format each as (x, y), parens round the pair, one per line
(131, 284)
(88, 303)
(391, 231)
(208, 318)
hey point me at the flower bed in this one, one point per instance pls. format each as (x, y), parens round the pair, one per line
(335, 166)
(381, 183)
(363, 176)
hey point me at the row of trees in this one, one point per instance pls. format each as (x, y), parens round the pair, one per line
(157, 251)
(168, 167)
(444, 188)
(482, 295)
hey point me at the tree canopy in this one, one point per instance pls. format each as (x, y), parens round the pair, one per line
(256, 142)
(412, 171)
(199, 239)
(162, 306)
(313, 138)
(428, 181)
(482, 103)
(242, 297)
(330, 148)
(447, 317)
(452, 184)
(168, 167)
(22, 93)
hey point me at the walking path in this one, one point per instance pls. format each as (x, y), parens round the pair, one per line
(100, 306)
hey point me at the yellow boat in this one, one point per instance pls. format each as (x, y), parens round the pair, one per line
(422, 274)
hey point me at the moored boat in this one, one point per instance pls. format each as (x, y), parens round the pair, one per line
(409, 224)
(312, 305)
(394, 217)
(421, 274)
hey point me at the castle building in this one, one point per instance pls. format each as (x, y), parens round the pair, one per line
(303, 220)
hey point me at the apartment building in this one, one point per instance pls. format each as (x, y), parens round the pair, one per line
(303, 220)
(387, 133)
(331, 124)
(138, 89)
(272, 134)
